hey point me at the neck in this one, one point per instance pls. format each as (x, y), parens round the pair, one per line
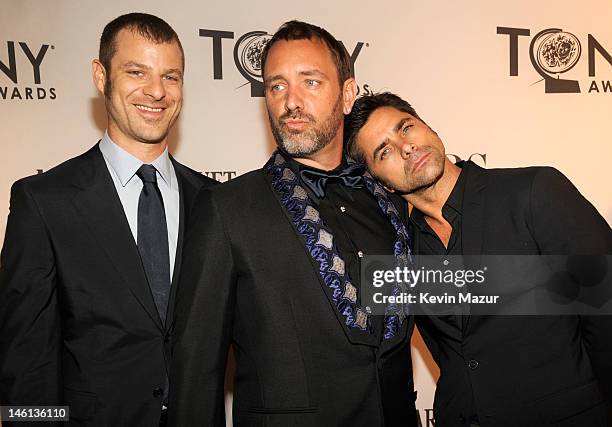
(146, 153)
(327, 158)
(431, 200)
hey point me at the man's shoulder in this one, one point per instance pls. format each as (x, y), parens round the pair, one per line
(251, 181)
(523, 177)
(527, 172)
(197, 178)
(61, 176)
(244, 191)
(522, 186)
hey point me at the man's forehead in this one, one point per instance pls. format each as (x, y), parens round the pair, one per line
(307, 53)
(128, 36)
(314, 43)
(388, 112)
(130, 44)
(386, 119)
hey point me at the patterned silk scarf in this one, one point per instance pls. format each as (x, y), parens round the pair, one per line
(321, 247)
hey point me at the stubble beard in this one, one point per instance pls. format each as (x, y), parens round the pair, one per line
(137, 131)
(303, 144)
(423, 180)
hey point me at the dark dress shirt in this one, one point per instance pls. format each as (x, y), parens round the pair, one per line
(359, 226)
(426, 242)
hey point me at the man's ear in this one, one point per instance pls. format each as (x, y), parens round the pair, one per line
(349, 93)
(98, 73)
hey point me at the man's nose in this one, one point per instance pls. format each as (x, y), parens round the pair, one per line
(294, 99)
(407, 148)
(155, 88)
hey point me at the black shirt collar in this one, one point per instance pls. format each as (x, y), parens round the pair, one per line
(296, 166)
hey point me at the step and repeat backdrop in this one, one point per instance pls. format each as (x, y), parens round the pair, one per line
(506, 84)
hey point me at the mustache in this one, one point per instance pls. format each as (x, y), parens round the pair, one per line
(416, 156)
(296, 115)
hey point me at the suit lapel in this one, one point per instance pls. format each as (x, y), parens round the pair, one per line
(354, 335)
(404, 333)
(473, 220)
(188, 188)
(98, 202)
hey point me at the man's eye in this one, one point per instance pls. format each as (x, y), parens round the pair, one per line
(277, 87)
(405, 129)
(312, 83)
(136, 73)
(384, 153)
(172, 78)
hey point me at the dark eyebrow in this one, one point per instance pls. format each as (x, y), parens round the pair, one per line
(307, 73)
(401, 124)
(135, 64)
(175, 70)
(146, 67)
(313, 73)
(380, 147)
(273, 78)
(396, 129)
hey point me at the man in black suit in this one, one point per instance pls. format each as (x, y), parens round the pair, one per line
(274, 271)
(93, 245)
(494, 370)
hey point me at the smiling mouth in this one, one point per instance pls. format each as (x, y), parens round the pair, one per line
(149, 109)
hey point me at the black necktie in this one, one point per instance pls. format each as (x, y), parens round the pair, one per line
(351, 176)
(153, 238)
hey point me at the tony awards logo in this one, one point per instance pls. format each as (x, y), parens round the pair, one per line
(552, 53)
(247, 56)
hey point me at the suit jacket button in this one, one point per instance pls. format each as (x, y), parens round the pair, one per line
(472, 364)
(158, 392)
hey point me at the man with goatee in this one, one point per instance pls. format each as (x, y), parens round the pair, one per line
(274, 270)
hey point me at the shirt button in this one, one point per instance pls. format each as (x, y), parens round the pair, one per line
(342, 209)
(360, 254)
(472, 364)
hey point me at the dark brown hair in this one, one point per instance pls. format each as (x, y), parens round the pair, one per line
(148, 26)
(297, 30)
(362, 110)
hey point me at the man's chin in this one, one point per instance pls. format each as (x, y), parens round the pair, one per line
(298, 148)
(152, 139)
(422, 184)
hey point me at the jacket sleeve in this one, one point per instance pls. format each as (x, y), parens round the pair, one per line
(30, 335)
(565, 223)
(203, 319)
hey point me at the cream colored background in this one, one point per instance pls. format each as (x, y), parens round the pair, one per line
(443, 56)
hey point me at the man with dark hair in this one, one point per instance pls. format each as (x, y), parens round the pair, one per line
(93, 246)
(296, 30)
(148, 26)
(513, 370)
(275, 270)
(361, 113)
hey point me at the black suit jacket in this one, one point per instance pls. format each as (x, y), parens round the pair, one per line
(525, 370)
(78, 324)
(247, 280)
